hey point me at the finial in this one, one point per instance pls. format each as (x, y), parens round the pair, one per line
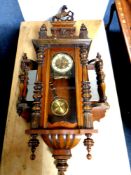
(83, 32)
(43, 32)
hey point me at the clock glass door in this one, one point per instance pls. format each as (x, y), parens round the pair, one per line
(62, 89)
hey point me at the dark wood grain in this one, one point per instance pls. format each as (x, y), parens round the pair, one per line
(123, 8)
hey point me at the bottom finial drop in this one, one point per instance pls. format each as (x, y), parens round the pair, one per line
(88, 142)
(33, 143)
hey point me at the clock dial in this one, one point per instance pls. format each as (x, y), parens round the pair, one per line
(59, 107)
(62, 63)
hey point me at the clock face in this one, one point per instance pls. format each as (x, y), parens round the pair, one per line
(62, 63)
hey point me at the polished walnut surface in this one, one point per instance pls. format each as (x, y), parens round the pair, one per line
(124, 13)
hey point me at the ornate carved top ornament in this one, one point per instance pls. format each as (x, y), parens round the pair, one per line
(63, 15)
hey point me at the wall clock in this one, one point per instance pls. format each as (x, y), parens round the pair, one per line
(62, 109)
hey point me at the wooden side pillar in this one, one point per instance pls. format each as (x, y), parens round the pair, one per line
(86, 92)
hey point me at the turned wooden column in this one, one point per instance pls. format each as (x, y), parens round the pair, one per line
(35, 119)
(86, 92)
(86, 96)
(37, 96)
(100, 78)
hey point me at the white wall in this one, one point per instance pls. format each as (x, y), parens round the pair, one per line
(37, 10)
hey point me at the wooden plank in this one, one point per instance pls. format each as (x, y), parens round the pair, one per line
(15, 155)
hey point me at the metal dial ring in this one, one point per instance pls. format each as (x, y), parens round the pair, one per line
(62, 63)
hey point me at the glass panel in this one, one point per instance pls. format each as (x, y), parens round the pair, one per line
(62, 92)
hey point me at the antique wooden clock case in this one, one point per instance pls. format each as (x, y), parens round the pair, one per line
(62, 109)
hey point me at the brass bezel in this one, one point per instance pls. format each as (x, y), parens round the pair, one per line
(58, 100)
